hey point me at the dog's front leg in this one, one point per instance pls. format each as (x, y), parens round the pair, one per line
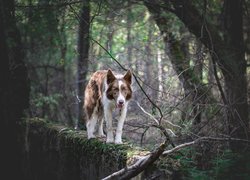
(108, 119)
(118, 136)
(100, 130)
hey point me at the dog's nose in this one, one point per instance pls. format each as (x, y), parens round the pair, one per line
(121, 102)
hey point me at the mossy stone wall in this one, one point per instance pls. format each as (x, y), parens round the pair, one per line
(55, 152)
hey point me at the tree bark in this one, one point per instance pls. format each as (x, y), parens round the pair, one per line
(14, 91)
(234, 71)
(227, 51)
(195, 92)
(129, 34)
(148, 67)
(83, 55)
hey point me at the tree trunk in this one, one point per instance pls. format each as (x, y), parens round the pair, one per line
(148, 67)
(83, 54)
(227, 52)
(14, 91)
(160, 69)
(195, 93)
(129, 35)
(234, 71)
(110, 32)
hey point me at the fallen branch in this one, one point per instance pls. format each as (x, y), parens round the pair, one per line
(144, 162)
(179, 147)
(139, 166)
(202, 139)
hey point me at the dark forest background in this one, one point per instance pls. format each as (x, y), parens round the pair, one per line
(191, 66)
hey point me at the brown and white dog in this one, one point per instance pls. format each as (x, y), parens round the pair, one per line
(104, 93)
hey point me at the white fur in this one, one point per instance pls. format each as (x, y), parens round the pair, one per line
(108, 107)
(91, 125)
(120, 96)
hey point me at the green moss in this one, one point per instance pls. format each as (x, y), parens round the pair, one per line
(76, 137)
(65, 153)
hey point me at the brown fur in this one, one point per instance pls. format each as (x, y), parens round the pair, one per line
(93, 93)
(95, 87)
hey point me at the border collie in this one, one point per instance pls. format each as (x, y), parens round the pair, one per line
(105, 92)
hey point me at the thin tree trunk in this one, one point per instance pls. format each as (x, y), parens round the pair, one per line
(110, 33)
(160, 73)
(150, 75)
(235, 71)
(199, 59)
(83, 54)
(129, 36)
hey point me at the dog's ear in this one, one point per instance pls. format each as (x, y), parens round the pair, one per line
(110, 77)
(128, 77)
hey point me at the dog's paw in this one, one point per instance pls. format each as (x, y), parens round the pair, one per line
(110, 141)
(101, 135)
(91, 137)
(118, 141)
(110, 137)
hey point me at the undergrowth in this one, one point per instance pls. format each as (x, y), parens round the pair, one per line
(226, 165)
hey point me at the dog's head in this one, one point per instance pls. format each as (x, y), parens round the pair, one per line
(119, 87)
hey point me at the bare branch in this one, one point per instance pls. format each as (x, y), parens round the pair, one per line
(139, 166)
(145, 130)
(178, 147)
(143, 110)
(202, 139)
(152, 117)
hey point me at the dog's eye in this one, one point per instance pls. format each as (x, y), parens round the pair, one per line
(115, 89)
(124, 90)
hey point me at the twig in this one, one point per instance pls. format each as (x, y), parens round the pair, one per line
(221, 139)
(143, 110)
(143, 134)
(152, 117)
(113, 58)
(202, 139)
(96, 12)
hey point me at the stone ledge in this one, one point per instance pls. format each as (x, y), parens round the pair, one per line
(53, 151)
